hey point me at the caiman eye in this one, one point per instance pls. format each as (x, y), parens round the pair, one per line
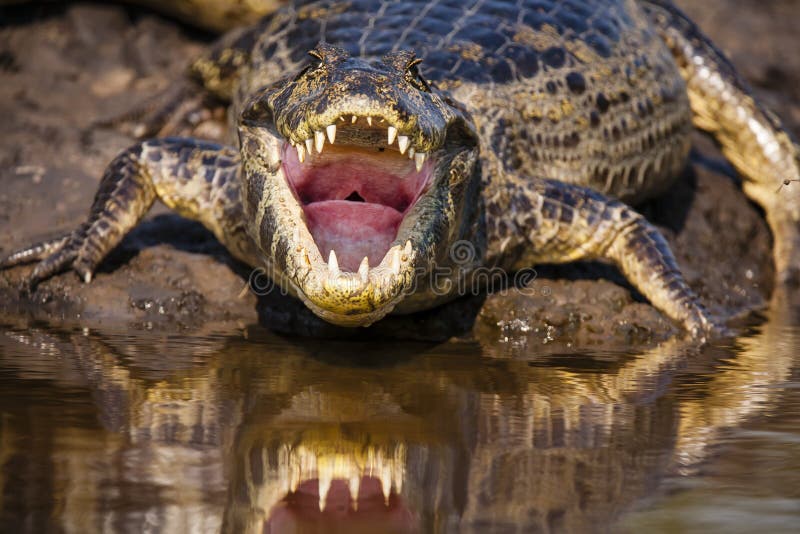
(415, 78)
(315, 64)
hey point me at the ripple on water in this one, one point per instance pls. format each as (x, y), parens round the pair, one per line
(205, 431)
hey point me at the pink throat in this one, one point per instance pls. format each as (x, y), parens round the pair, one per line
(354, 199)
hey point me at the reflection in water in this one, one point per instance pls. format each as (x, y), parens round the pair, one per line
(113, 432)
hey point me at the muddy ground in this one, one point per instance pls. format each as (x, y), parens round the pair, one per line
(64, 68)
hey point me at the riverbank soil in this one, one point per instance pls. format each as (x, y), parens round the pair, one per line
(66, 68)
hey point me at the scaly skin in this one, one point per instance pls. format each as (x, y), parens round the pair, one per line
(534, 120)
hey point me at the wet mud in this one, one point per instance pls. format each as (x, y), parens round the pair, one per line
(66, 68)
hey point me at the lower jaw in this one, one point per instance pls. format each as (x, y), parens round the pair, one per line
(354, 230)
(349, 315)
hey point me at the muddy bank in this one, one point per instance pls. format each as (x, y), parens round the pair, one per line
(64, 68)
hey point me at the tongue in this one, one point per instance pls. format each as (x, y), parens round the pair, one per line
(353, 230)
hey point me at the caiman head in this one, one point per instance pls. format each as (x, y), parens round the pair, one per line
(358, 179)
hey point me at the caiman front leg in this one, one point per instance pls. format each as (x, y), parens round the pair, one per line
(209, 82)
(560, 223)
(197, 179)
(752, 138)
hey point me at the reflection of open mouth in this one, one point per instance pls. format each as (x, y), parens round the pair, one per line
(356, 192)
(349, 506)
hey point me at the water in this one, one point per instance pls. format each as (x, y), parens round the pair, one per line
(150, 432)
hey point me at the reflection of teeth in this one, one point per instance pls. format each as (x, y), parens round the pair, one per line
(363, 270)
(298, 464)
(331, 131)
(333, 264)
(369, 120)
(386, 484)
(319, 141)
(325, 476)
(301, 152)
(392, 133)
(403, 142)
(309, 146)
(419, 160)
(354, 485)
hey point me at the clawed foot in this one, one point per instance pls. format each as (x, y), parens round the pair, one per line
(53, 256)
(702, 325)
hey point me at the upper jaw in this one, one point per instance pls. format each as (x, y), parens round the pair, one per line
(366, 131)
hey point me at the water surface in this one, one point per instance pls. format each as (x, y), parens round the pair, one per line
(241, 432)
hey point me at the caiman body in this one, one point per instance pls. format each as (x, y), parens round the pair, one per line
(436, 136)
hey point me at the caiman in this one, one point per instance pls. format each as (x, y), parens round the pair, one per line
(387, 153)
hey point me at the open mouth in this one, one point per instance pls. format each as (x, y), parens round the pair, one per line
(356, 182)
(367, 509)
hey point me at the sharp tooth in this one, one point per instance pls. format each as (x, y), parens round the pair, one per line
(319, 141)
(394, 264)
(301, 153)
(392, 133)
(407, 250)
(398, 481)
(333, 264)
(411, 153)
(403, 142)
(419, 160)
(324, 479)
(354, 119)
(369, 120)
(386, 485)
(354, 485)
(309, 146)
(342, 119)
(331, 131)
(363, 270)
